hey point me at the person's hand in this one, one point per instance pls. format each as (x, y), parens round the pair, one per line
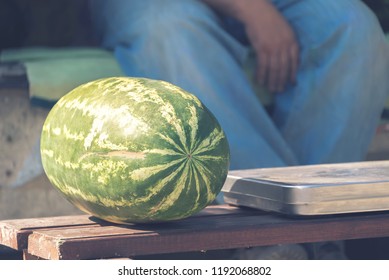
(274, 42)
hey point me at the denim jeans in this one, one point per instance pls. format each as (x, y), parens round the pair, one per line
(329, 116)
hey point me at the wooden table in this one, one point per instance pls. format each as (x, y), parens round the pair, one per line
(216, 227)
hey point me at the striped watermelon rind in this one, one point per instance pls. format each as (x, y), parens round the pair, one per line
(134, 150)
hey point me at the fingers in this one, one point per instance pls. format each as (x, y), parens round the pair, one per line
(274, 42)
(294, 55)
(283, 74)
(262, 71)
(277, 69)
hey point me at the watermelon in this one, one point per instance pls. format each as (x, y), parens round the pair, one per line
(134, 150)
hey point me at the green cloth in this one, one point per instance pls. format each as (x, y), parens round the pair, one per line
(53, 72)
(262, 93)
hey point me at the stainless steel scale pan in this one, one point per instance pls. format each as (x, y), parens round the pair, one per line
(313, 189)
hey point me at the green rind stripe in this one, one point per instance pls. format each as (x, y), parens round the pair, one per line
(131, 150)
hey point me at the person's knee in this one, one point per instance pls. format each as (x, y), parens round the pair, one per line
(356, 22)
(363, 26)
(348, 20)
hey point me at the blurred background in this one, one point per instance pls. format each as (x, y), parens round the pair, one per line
(46, 49)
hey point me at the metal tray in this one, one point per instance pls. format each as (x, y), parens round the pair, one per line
(312, 189)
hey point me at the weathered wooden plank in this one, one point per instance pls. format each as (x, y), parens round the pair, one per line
(109, 241)
(27, 256)
(216, 227)
(14, 233)
(202, 233)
